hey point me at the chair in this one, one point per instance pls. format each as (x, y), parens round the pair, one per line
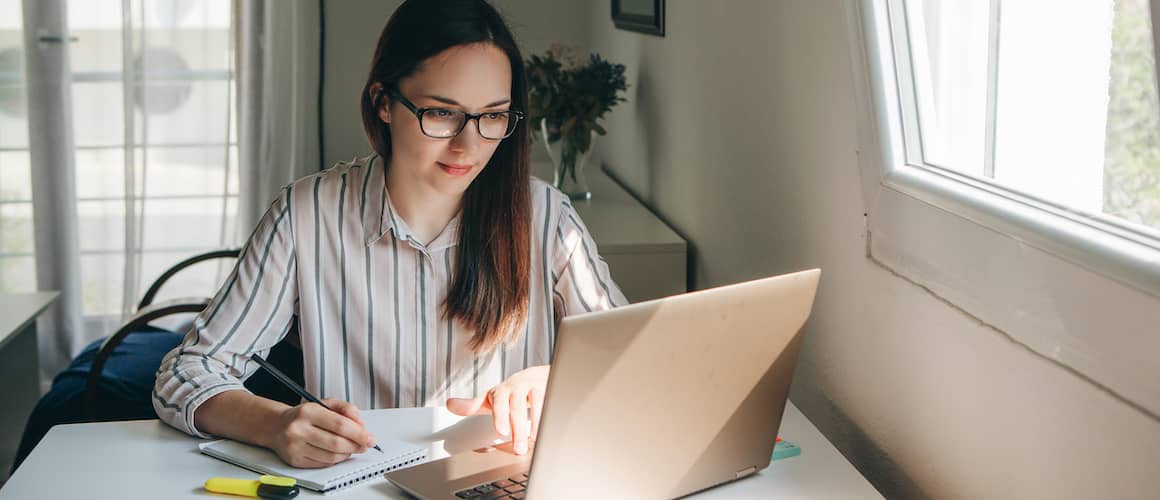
(113, 377)
(148, 312)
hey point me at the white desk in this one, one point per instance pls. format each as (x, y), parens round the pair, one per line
(19, 367)
(148, 460)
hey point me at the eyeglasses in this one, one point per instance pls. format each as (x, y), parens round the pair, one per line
(445, 123)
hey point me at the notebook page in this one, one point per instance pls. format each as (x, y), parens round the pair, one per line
(358, 468)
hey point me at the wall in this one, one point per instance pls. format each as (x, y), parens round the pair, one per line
(745, 112)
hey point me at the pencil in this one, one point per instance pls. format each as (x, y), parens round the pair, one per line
(292, 385)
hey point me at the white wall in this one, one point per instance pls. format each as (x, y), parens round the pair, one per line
(925, 400)
(352, 30)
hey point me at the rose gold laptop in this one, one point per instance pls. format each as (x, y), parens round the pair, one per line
(653, 400)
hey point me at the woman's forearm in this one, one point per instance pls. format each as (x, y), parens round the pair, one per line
(241, 416)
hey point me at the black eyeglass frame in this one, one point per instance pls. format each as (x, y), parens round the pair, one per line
(519, 115)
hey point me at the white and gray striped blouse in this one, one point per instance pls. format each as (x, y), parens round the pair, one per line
(369, 298)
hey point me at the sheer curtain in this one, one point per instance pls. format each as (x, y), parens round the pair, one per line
(279, 72)
(129, 159)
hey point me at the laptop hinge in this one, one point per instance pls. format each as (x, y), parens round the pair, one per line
(745, 472)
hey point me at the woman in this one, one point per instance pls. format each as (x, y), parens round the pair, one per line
(432, 272)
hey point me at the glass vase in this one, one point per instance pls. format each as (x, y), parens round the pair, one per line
(568, 161)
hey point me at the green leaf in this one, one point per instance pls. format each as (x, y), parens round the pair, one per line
(574, 96)
(568, 125)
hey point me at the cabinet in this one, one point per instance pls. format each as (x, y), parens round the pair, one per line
(645, 256)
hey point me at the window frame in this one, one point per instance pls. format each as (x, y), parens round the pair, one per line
(1129, 255)
(228, 194)
(1004, 242)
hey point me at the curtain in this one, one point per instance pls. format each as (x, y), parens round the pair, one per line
(52, 182)
(132, 156)
(120, 145)
(279, 71)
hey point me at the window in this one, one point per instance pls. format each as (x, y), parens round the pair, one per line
(184, 150)
(1012, 155)
(1053, 101)
(155, 147)
(17, 266)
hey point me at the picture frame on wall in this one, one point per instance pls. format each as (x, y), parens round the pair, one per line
(644, 16)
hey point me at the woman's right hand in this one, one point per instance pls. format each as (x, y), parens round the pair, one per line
(309, 436)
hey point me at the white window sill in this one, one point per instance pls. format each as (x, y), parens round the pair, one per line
(1133, 263)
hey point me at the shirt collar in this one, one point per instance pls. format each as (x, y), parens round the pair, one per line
(385, 218)
(376, 219)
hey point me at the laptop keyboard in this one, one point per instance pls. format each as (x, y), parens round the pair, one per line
(512, 487)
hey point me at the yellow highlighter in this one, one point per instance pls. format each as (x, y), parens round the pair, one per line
(272, 487)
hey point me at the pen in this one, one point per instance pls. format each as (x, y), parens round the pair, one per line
(292, 385)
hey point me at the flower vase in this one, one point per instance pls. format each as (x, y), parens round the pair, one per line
(568, 160)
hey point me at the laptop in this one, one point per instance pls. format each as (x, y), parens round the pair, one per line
(658, 399)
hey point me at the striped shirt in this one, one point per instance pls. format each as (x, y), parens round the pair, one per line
(369, 299)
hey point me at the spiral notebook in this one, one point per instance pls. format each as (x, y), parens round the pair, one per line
(361, 467)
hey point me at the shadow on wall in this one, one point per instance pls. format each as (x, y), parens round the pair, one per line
(648, 122)
(856, 446)
(652, 127)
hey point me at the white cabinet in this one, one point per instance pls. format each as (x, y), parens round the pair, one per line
(19, 368)
(646, 257)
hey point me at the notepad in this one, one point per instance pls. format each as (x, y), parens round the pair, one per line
(361, 467)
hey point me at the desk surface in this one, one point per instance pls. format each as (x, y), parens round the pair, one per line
(147, 459)
(17, 310)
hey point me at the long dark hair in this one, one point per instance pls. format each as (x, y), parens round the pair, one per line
(489, 292)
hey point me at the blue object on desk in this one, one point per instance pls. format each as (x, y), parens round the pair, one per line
(785, 449)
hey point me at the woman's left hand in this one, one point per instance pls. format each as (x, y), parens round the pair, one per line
(516, 404)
